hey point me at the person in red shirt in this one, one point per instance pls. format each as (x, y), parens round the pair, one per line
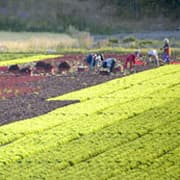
(130, 60)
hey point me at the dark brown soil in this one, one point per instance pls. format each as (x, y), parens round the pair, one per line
(28, 106)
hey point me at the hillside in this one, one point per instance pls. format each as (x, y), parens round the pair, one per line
(127, 128)
(97, 16)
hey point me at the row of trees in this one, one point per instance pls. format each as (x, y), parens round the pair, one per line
(93, 15)
(138, 8)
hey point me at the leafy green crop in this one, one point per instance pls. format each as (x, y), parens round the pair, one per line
(126, 128)
(25, 59)
(7, 56)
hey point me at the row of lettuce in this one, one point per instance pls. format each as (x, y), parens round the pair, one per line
(123, 129)
(11, 59)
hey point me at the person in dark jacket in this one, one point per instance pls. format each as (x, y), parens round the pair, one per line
(109, 63)
(91, 61)
(166, 51)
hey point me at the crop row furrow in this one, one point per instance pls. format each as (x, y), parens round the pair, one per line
(36, 125)
(163, 167)
(100, 137)
(95, 104)
(125, 85)
(128, 156)
(124, 138)
(95, 144)
(72, 131)
(122, 159)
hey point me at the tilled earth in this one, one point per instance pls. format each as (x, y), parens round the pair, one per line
(31, 105)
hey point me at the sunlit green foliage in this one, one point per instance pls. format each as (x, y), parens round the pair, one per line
(126, 128)
(8, 56)
(23, 58)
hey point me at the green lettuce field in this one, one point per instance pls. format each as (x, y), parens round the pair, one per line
(10, 59)
(127, 128)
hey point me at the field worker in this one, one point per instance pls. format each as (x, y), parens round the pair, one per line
(90, 60)
(131, 60)
(109, 63)
(153, 56)
(99, 59)
(166, 51)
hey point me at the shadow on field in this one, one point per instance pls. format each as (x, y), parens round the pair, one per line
(31, 106)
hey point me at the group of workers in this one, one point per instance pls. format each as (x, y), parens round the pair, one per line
(153, 54)
(98, 60)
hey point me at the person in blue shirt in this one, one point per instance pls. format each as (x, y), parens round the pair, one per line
(109, 63)
(91, 61)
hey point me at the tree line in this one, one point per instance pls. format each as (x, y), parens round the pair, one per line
(91, 15)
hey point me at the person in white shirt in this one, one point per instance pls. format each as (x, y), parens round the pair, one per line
(153, 57)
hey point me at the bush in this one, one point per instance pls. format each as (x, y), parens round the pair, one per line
(145, 43)
(113, 41)
(129, 39)
(85, 40)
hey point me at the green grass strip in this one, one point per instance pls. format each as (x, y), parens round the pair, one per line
(10, 56)
(26, 59)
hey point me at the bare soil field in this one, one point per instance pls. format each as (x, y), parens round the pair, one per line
(31, 105)
(28, 98)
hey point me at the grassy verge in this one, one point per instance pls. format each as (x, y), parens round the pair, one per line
(77, 42)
